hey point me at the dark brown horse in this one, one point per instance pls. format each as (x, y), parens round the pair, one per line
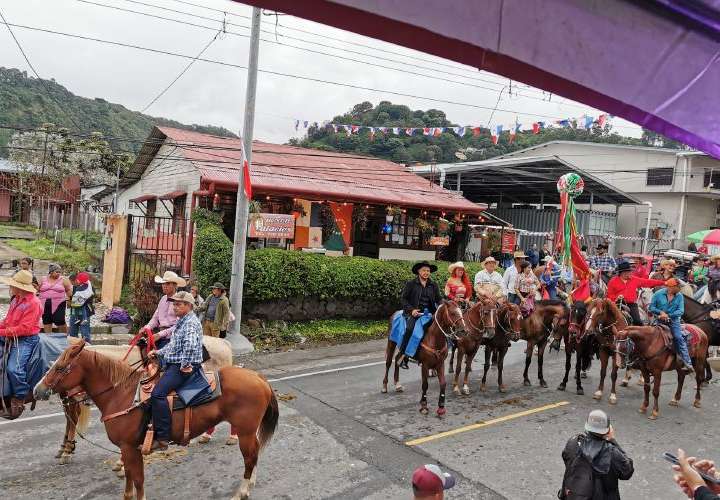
(699, 315)
(447, 323)
(603, 321)
(480, 321)
(651, 352)
(247, 402)
(536, 329)
(508, 328)
(572, 332)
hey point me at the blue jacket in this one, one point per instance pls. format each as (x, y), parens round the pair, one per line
(674, 308)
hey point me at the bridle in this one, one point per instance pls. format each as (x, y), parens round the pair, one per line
(513, 334)
(484, 310)
(453, 326)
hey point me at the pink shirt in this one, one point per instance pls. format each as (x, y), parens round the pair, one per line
(54, 291)
(164, 317)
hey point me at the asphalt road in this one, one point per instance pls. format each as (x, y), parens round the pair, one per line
(340, 438)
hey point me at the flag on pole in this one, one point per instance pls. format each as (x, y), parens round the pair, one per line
(535, 128)
(601, 120)
(247, 184)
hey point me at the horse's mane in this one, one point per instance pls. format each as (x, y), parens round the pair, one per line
(117, 372)
(550, 302)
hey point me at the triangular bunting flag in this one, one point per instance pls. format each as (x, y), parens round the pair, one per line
(297, 124)
(409, 131)
(460, 131)
(535, 128)
(426, 131)
(588, 122)
(498, 130)
(334, 128)
(354, 128)
(494, 138)
(438, 130)
(396, 130)
(476, 131)
(305, 124)
(601, 120)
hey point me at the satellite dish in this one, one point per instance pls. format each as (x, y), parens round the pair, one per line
(460, 155)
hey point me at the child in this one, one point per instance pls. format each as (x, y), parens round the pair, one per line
(81, 306)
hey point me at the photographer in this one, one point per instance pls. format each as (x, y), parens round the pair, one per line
(690, 482)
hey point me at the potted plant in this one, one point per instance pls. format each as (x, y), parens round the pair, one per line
(392, 211)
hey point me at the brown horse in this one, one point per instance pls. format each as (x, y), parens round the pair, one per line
(247, 402)
(480, 320)
(604, 320)
(652, 353)
(536, 329)
(447, 323)
(508, 329)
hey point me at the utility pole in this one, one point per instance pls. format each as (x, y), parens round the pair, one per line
(241, 345)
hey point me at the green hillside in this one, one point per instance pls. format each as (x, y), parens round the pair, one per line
(25, 102)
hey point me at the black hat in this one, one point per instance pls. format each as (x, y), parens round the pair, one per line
(416, 268)
(602, 245)
(624, 266)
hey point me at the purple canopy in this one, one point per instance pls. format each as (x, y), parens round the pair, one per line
(656, 64)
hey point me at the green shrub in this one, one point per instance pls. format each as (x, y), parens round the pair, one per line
(212, 256)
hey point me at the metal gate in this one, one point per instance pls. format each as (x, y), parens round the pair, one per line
(154, 245)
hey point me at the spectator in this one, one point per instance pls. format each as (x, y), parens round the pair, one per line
(692, 247)
(26, 264)
(713, 277)
(601, 261)
(429, 482)
(81, 306)
(698, 273)
(533, 256)
(594, 462)
(55, 290)
(216, 310)
(642, 268)
(544, 252)
(621, 258)
(198, 299)
(692, 483)
(583, 252)
(510, 275)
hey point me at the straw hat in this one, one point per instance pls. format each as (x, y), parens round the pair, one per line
(519, 255)
(715, 257)
(184, 297)
(456, 265)
(171, 277)
(489, 260)
(22, 280)
(665, 262)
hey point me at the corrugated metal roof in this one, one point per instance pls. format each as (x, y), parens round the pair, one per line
(281, 169)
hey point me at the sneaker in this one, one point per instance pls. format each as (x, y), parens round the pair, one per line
(204, 439)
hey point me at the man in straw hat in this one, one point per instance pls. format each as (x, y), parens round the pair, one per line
(18, 338)
(182, 357)
(510, 277)
(164, 318)
(217, 312)
(489, 282)
(419, 295)
(668, 306)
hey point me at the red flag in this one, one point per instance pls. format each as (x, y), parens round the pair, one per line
(426, 131)
(247, 187)
(601, 120)
(494, 138)
(512, 137)
(437, 131)
(476, 131)
(536, 128)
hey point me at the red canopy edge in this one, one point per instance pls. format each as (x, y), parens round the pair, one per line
(144, 198)
(417, 38)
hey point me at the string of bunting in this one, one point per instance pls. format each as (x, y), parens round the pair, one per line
(496, 131)
(551, 234)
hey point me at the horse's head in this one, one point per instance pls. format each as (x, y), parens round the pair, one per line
(482, 316)
(450, 319)
(64, 374)
(510, 319)
(578, 313)
(594, 315)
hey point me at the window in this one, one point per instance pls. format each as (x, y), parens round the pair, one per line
(662, 176)
(711, 178)
(150, 214)
(178, 224)
(404, 232)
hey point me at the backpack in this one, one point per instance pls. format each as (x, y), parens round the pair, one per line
(578, 482)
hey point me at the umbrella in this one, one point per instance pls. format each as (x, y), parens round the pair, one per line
(708, 237)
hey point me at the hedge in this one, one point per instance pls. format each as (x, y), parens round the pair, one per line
(212, 256)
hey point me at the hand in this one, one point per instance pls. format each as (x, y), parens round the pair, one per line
(415, 313)
(187, 369)
(152, 354)
(611, 434)
(688, 478)
(663, 316)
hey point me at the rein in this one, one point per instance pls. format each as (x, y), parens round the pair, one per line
(514, 335)
(452, 335)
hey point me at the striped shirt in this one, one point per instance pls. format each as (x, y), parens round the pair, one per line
(603, 263)
(185, 346)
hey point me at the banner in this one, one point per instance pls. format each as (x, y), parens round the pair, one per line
(440, 241)
(272, 226)
(509, 240)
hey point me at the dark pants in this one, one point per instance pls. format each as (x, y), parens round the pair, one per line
(635, 314)
(409, 327)
(514, 298)
(170, 381)
(18, 357)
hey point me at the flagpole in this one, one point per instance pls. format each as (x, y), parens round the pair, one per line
(241, 345)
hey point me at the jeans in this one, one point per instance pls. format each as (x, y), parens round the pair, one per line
(552, 291)
(161, 416)
(680, 342)
(79, 322)
(18, 357)
(514, 298)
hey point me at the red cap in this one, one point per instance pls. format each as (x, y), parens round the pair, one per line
(82, 278)
(430, 479)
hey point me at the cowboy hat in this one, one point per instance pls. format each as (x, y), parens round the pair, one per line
(665, 262)
(416, 268)
(458, 264)
(22, 280)
(171, 277)
(183, 297)
(715, 257)
(624, 266)
(519, 255)
(548, 258)
(489, 260)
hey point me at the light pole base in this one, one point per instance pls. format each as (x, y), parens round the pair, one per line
(239, 344)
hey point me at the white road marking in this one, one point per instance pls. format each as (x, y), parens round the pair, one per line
(289, 377)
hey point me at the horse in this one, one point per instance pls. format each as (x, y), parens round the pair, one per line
(604, 319)
(654, 356)
(573, 335)
(247, 402)
(508, 329)
(699, 315)
(480, 321)
(536, 329)
(447, 323)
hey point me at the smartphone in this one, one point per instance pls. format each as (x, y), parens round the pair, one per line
(707, 477)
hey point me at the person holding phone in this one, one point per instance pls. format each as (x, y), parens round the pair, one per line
(688, 477)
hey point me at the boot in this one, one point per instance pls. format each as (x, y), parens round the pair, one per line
(555, 345)
(404, 363)
(157, 445)
(687, 367)
(17, 406)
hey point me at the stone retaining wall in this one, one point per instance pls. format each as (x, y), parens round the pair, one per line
(309, 308)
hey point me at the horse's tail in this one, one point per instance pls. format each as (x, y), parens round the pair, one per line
(83, 419)
(269, 421)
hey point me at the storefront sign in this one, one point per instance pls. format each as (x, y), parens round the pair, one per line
(441, 241)
(272, 226)
(509, 239)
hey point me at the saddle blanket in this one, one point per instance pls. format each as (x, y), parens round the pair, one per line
(691, 333)
(198, 389)
(48, 349)
(397, 331)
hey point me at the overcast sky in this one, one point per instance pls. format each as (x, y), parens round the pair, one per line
(214, 94)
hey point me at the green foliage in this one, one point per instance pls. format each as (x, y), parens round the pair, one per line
(419, 148)
(212, 256)
(24, 102)
(70, 259)
(329, 331)
(202, 217)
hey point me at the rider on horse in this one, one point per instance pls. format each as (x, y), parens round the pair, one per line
(163, 320)
(625, 284)
(489, 282)
(182, 356)
(19, 336)
(668, 304)
(419, 295)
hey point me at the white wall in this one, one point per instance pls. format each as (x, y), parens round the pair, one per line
(405, 254)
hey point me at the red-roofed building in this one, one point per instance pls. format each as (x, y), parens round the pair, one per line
(177, 170)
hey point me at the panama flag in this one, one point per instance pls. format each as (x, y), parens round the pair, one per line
(498, 130)
(535, 128)
(588, 122)
(354, 128)
(460, 131)
(409, 131)
(348, 129)
(383, 129)
(514, 131)
(438, 130)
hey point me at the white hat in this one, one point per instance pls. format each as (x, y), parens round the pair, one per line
(184, 297)
(170, 277)
(597, 422)
(458, 264)
(489, 259)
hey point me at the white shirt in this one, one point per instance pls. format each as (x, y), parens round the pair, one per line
(509, 277)
(494, 278)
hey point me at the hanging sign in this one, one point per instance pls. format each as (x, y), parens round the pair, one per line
(509, 240)
(272, 226)
(441, 241)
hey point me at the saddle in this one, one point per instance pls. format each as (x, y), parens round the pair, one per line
(690, 332)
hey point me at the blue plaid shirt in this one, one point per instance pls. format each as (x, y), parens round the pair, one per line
(603, 263)
(185, 346)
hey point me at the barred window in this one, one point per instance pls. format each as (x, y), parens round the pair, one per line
(662, 176)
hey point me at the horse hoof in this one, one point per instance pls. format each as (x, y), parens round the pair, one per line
(483, 388)
(526, 383)
(399, 388)
(642, 410)
(697, 404)
(561, 387)
(65, 459)
(624, 383)
(543, 384)
(597, 395)
(384, 389)
(502, 388)
(441, 412)
(120, 473)
(673, 402)
(456, 390)
(466, 390)
(580, 391)
(612, 399)
(423, 411)
(653, 416)
(60, 453)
